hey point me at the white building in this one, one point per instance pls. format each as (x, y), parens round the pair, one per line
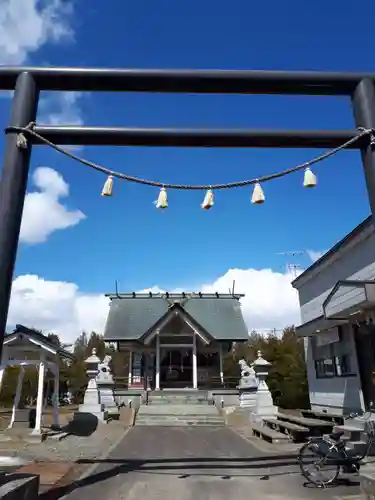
(337, 301)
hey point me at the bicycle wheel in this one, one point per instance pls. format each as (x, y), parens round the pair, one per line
(317, 462)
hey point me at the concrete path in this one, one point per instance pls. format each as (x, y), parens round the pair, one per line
(195, 463)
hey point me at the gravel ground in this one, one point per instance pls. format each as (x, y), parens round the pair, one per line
(72, 448)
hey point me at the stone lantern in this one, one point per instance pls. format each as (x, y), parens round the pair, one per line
(92, 363)
(264, 402)
(91, 403)
(105, 382)
(248, 386)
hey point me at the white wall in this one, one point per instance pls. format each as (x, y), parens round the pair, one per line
(354, 261)
(339, 395)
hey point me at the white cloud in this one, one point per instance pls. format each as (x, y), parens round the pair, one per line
(43, 212)
(55, 306)
(315, 254)
(27, 25)
(62, 108)
(270, 300)
(60, 307)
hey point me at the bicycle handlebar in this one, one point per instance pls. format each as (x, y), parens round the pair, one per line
(353, 415)
(356, 414)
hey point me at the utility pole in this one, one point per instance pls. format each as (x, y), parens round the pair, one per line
(293, 268)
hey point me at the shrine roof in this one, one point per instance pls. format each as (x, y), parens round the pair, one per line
(39, 339)
(133, 315)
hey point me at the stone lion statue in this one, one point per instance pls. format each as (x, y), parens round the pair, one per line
(248, 376)
(104, 370)
(106, 361)
(246, 371)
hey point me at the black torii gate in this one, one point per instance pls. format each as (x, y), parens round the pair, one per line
(29, 81)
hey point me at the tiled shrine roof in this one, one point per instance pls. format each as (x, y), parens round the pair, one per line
(131, 316)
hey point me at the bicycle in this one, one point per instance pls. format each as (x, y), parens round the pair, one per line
(333, 452)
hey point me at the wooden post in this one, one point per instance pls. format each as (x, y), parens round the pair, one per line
(195, 370)
(130, 368)
(56, 396)
(2, 372)
(39, 400)
(157, 374)
(17, 397)
(221, 364)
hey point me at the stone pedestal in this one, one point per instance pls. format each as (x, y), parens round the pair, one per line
(264, 403)
(107, 399)
(91, 403)
(248, 396)
(21, 429)
(106, 396)
(22, 418)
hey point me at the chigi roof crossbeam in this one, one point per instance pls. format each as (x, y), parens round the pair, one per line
(168, 295)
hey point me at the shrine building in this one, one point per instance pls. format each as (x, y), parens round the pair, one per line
(175, 340)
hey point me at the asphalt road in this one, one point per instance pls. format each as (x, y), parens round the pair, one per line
(153, 463)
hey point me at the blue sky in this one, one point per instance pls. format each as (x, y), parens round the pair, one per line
(125, 237)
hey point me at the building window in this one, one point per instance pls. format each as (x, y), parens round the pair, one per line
(342, 364)
(333, 359)
(335, 366)
(324, 368)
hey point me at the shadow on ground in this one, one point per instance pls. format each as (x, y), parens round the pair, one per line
(184, 468)
(82, 425)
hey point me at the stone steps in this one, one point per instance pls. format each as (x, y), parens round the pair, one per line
(174, 409)
(358, 446)
(354, 433)
(179, 415)
(173, 416)
(271, 435)
(351, 432)
(180, 421)
(360, 421)
(183, 396)
(354, 436)
(168, 401)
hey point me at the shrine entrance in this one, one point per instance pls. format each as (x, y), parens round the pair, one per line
(176, 367)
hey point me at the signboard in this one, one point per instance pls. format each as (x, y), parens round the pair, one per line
(328, 337)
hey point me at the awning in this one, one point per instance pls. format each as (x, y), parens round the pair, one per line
(317, 326)
(348, 298)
